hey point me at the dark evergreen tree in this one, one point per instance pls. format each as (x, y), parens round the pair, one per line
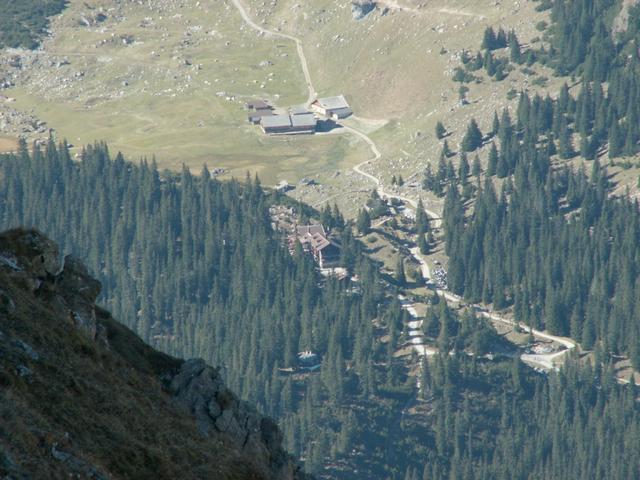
(363, 224)
(463, 168)
(489, 40)
(514, 48)
(473, 138)
(400, 274)
(476, 168)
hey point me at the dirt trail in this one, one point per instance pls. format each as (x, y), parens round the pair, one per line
(542, 360)
(298, 42)
(312, 94)
(377, 181)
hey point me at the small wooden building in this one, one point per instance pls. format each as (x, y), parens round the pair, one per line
(258, 105)
(256, 116)
(257, 110)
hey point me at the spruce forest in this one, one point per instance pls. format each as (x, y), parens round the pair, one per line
(194, 266)
(554, 243)
(24, 22)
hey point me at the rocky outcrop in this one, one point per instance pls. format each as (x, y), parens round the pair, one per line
(361, 8)
(79, 291)
(31, 253)
(92, 19)
(34, 260)
(81, 396)
(200, 390)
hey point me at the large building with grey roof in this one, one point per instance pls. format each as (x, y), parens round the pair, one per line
(289, 124)
(297, 120)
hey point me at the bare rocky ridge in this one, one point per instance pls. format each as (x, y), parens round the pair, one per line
(81, 396)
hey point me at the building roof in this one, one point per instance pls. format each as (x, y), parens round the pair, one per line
(276, 121)
(342, 112)
(258, 114)
(319, 242)
(258, 105)
(310, 229)
(298, 110)
(314, 236)
(333, 103)
(305, 120)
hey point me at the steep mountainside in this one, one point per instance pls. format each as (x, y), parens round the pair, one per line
(81, 396)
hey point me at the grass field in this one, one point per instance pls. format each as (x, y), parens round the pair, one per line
(7, 144)
(142, 127)
(170, 79)
(175, 88)
(396, 68)
(146, 79)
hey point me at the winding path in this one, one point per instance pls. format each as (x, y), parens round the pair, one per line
(312, 93)
(543, 360)
(298, 42)
(305, 69)
(377, 181)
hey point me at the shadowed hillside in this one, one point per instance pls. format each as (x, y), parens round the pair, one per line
(83, 396)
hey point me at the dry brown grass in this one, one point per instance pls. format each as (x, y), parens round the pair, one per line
(106, 406)
(8, 144)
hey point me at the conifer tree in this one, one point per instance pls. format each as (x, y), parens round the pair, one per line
(514, 48)
(473, 138)
(476, 167)
(425, 377)
(423, 245)
(489, 42)
(401, 278)
(495, 124)
(422, 221)
(565, 145)
(446, 151)
(615, 140)
(463, 168)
